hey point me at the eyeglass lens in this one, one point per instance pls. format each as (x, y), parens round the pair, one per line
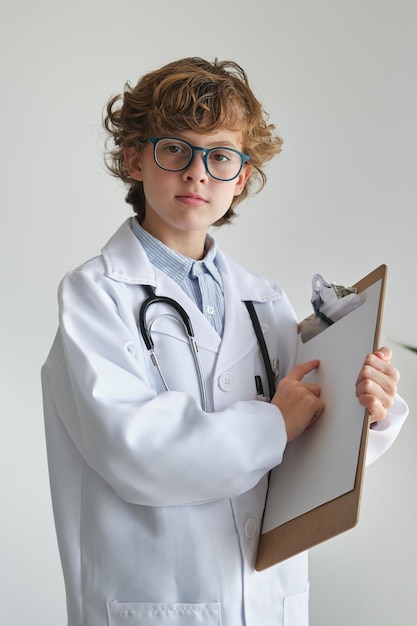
(175, 155)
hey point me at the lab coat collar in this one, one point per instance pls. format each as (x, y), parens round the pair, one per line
(126, 261)
(245, 284)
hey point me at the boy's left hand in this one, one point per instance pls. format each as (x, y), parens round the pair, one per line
(377, 382)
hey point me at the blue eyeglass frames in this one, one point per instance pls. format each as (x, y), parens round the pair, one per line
(175, 155)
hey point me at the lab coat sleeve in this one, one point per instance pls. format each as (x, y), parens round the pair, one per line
(152, 449)
(382, 434)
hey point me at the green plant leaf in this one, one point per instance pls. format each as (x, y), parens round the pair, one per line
(411, 348)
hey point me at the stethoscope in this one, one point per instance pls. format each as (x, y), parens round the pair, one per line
(271, 371)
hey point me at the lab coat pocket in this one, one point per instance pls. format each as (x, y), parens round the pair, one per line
(296, 609)
(153, 614)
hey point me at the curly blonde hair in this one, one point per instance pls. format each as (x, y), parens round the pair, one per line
(188, 94)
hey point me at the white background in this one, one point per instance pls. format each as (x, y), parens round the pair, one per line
(339, 81)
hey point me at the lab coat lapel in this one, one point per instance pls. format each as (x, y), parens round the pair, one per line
(126, 261)
(238, 337)
(239, 285)
(205, 335)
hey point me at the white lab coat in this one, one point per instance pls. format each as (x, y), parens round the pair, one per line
(158, 504)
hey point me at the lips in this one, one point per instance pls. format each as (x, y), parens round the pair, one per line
(191, 199)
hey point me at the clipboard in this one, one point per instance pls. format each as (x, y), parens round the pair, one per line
(298, 517)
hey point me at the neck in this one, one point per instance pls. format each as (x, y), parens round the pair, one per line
(188, 243)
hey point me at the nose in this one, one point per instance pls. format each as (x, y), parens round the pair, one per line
(196, 170)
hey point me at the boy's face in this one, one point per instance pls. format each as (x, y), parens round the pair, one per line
(181, 206)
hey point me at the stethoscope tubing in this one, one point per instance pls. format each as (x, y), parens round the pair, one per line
(185, 318)
(271, 376)
(147, 338)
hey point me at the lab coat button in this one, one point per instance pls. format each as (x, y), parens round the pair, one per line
(226, 382)
(250, 528)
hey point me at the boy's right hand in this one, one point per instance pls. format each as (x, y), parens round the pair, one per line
(298, 401)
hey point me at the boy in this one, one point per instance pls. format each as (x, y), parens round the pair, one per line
(159, 465)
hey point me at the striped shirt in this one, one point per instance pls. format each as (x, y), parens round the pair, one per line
(200, 280)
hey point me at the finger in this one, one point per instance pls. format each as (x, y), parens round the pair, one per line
(373, 365)
(376, 409)
(299, 371)
(370, 375)
(375, 398)
(313, 388)
(387, 377)
(316, 416)
(384, 353)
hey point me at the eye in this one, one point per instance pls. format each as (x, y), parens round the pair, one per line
(221, 158)
(219, 155)
(173, 148)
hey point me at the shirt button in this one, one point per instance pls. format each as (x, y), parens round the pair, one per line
(250, 528)
(226, 382)
(210, 310)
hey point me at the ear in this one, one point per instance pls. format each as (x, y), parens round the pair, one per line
(242, 179)
(132, 157)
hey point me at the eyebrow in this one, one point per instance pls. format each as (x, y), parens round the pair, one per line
(214, 144)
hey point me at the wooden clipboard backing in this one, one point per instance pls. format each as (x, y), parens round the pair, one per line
(339, 514)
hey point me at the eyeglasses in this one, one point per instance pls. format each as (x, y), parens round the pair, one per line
(175, 155)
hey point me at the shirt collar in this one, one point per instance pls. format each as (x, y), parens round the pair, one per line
(174, 264)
